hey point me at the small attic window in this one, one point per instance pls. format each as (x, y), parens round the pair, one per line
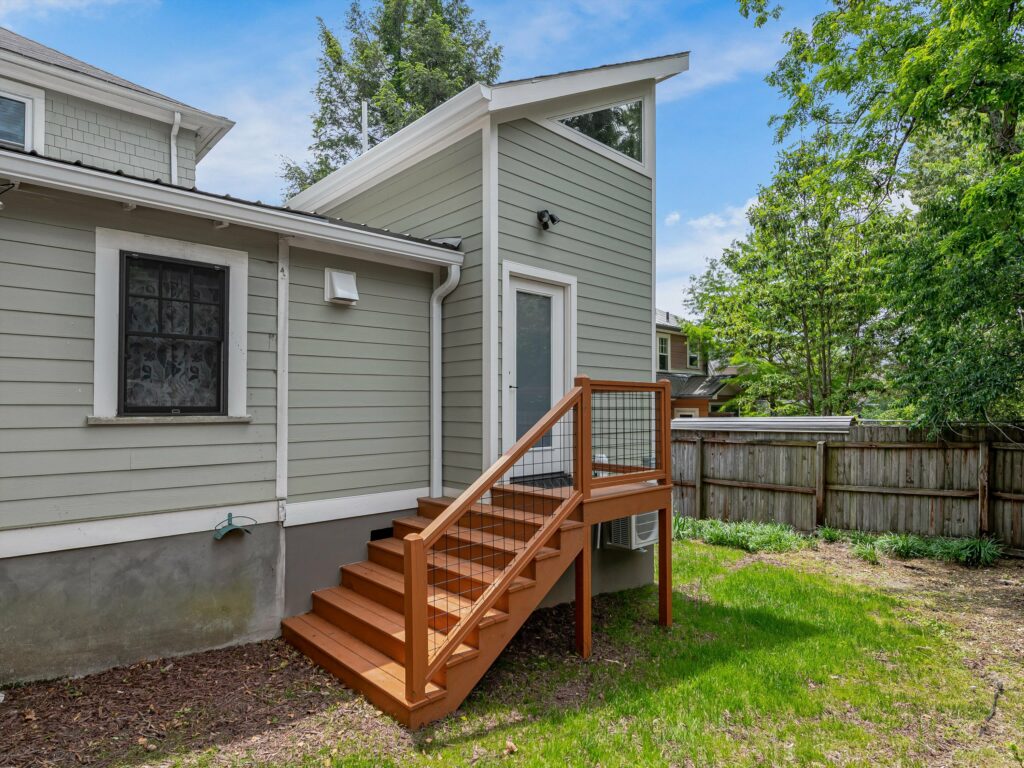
(620, 127)
(14, 113)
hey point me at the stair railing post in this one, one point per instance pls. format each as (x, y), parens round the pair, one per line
(664, 429)
(415, 618)
(584, 447)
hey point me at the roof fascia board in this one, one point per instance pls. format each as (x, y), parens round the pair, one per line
(454, 120)
(560, 86)
(209, 127)
(84, 181)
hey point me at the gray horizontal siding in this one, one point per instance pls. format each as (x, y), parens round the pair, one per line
(54, 468)
(604, 239)
(358, 381)
(442, 195)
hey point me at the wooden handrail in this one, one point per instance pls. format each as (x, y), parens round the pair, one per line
(421, 666)
(507, 461)
(495, 589)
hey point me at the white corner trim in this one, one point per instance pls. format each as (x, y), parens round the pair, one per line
(35, 112)
(106, 331)
(509, 270)
(283, 276)
(344, 507)
(18, 542)
(651, 138)
(491, 395)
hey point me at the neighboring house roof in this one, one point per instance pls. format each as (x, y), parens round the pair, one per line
(832, 424)
(307, 229)
(460, 117)
(39, 64)
(694, 384)
(667, 320)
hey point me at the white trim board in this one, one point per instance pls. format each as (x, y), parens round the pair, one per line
(35, 112)
(283, 276)
(510, 270)
(19, 542)
(106, 341)
(344, 507)
(316, 232)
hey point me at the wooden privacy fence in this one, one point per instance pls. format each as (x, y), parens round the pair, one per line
(871, 478)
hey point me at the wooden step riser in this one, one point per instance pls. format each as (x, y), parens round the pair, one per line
(437, 617)
(378, 697)
(540, 504)
(490, 556)
(369, 633)
(447, 578)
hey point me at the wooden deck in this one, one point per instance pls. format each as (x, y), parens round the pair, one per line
(417, 624)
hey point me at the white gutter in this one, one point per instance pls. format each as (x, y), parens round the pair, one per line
(436, 298)
(174, 147)
(85, 181)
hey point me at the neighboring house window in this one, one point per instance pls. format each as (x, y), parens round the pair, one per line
(14, 115)
(173, 332)
(663, 353)
(171, 323)
(693, 358)
(619, 127)
(22, 111)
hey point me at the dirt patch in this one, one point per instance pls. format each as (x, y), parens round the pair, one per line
(265, 700)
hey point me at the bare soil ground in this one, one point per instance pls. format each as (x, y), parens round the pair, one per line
(265, 703)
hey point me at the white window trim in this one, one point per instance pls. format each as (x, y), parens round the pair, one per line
(645, 166)
(106, 342)
(668, 351)
(685, 413)
(35, 112)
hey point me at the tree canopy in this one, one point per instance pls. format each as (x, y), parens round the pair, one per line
(919, 103)
(403, 57)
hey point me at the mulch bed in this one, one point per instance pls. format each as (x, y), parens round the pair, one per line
(130, 714)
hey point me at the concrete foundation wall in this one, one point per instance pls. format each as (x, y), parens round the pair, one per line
(84, 610)
(316, 552)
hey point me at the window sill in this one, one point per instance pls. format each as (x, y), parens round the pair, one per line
(179, 419)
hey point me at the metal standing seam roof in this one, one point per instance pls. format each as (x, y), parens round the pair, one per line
(23, 46)
(832, 424)
(694, 384)
(254, 203)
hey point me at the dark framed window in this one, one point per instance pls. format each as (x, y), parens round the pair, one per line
(619, 127)
(173, 356)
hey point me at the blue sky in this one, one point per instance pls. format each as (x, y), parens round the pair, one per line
(255, 62)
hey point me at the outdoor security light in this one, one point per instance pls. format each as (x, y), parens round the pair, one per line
(547, 219)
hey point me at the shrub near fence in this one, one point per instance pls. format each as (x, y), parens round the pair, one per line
(970, 482)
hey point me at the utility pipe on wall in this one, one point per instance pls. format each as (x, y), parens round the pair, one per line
(436, 299)
(174, 147)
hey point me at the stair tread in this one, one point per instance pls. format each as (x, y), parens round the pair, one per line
(381, 670)
(508, 513)
(477, 536)
(467, 568)
(382, 617)
(447, 601)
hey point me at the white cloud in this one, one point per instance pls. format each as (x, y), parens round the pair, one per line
(268, 126)
(715, 62)
(693, 244)
(672, 219)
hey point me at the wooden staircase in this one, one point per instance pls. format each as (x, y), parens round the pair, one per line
(357, 630)
(417, 624)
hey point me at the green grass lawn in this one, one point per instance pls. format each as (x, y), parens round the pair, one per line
(765, 665)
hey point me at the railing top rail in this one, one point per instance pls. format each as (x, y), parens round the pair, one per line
(602, 385)
(486, 481)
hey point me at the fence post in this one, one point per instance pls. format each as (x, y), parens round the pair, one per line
(984, 519)
(415, 618)
(698, 478)
(820, 469)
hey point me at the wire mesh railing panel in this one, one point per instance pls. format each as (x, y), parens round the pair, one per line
(473, 552)
(624, 433)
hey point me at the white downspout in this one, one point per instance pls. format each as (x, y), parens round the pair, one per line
(174, 147)
(436, 298)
